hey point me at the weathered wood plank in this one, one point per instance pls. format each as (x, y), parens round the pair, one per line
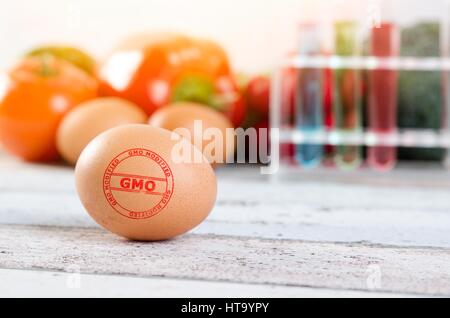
(314, 210)
(29, 283)
(230, 259)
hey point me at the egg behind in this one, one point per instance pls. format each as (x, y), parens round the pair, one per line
(90, 119)
(131, 184)
(217, 147)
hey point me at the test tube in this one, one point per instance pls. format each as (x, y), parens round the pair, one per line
(382, 103)
(445, 87)
(347, 95)
(288, 97)
(309, 115)
(328, 115)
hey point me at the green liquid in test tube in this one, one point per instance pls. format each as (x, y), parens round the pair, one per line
(347, 99)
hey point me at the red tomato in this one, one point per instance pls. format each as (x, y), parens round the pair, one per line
(258, 94)
(230, 101)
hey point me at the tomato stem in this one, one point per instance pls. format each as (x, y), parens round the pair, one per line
(46, 70)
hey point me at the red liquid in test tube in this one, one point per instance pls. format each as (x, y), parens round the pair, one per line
(382, 107)
(328, 114)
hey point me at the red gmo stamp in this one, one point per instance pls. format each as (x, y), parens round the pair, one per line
(138, 183)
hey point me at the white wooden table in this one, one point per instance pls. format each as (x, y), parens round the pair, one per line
(314, 234)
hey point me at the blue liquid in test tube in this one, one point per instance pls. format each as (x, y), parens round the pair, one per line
(309, 99)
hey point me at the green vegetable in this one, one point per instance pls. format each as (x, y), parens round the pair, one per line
(194, 89)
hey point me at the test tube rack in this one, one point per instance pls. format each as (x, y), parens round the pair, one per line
(420, 138)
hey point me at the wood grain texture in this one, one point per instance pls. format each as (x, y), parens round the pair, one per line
(311, 231)
(312, 209)
(228, 259)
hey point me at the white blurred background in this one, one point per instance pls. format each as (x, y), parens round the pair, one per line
(256, 33)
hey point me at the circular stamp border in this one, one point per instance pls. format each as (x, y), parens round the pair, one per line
(130, 156)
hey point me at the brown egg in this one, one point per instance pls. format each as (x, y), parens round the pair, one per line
(132, 183)
(184, 115)
(90, 119)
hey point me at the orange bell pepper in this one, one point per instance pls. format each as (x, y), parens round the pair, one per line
(158, 69)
